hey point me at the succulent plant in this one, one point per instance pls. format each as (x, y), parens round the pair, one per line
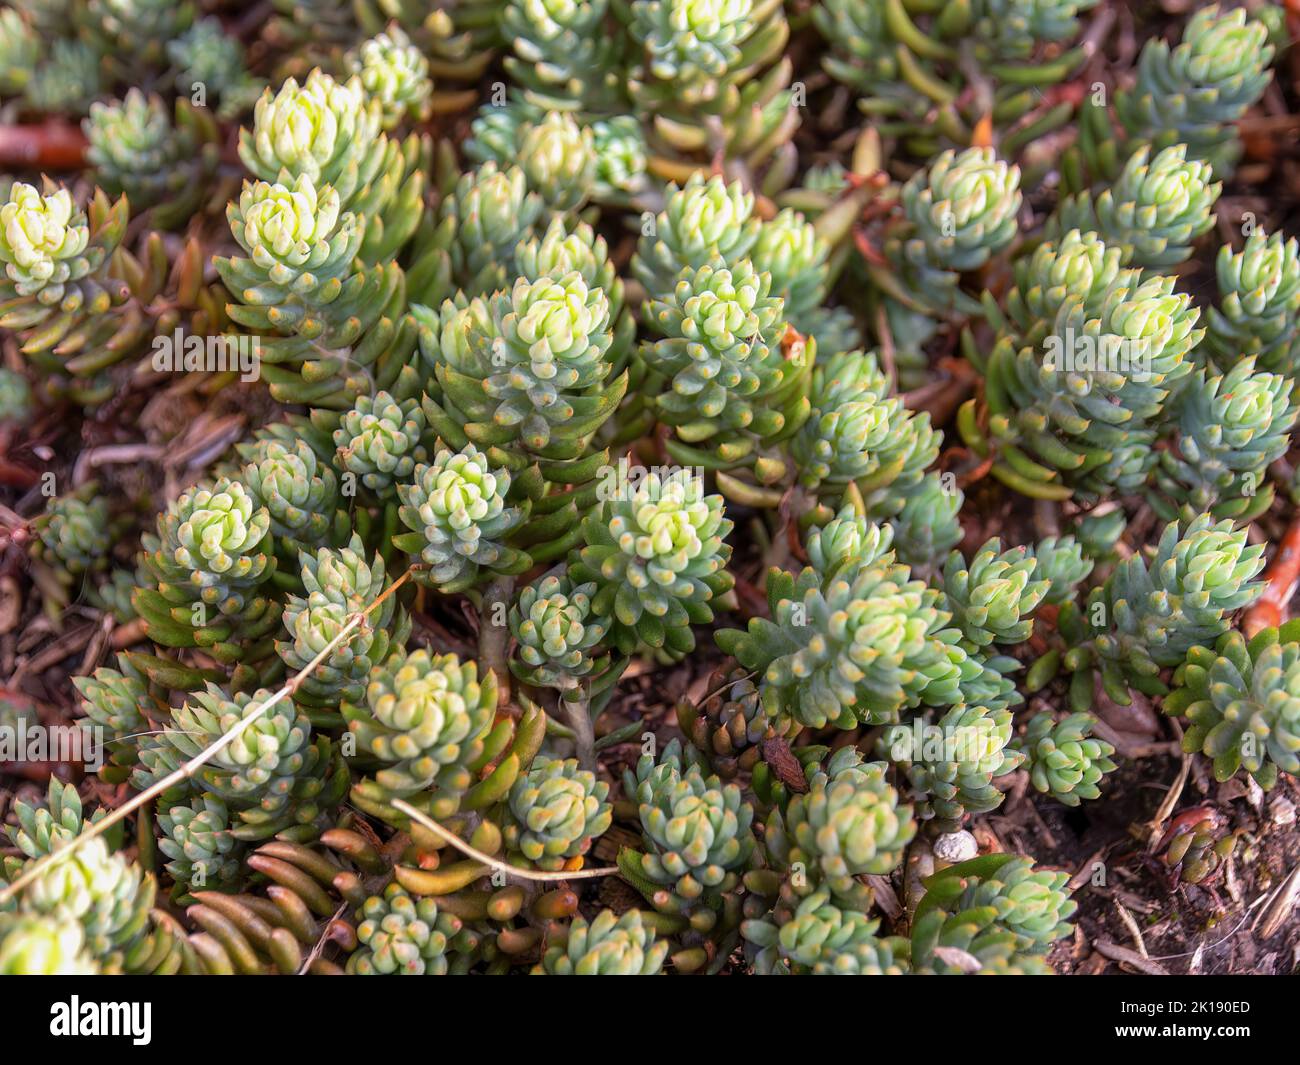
(620, 158)
(401, 934)
(1193, 93)
(139, 29)
(729, 724)
(927, 525)
(1033, 906)
(339, 583)
(1074, 408)
(709, 74)
(207, 56)
(1154, 210)
(555, 152)
(536, 377)
(822, 939)
(1152, 614)
(658, 559)
(952, 761)
(1195, 850)
(74, 531)
(1060, 560)
(20, 49)
(964, 207)
(845, 544)
(961, 210)
(557, 630)
(424, 720)
(271, 776)
(564, 59)
(111, 899)
(856, 649)
(992, 914)
(556, 811)
(1063, 759)
(1259, 301)
(1231, 428)
(137, 148)
(396, 73)
(908, 65)
(298, 490)
(67, 79)
(44, 829)
(566, 248)
(38, 945)
(609, 946)
(992, 599)
(380, 440)
(1239, 701)
(330, 133)
(731, 388)
(485, 215)
(122, 703)
(205, 567)
(696, 832)
(44, 244)
(858, 433)
(849, 823)
(456, 509)
(701, 222)
(197, 840)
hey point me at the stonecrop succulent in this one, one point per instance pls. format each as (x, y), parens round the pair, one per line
(658, 557)
(338, 584)
(396, 73)
(558, 631)
(609, 946)
(137, 148)
(849, 823)
(730, 386)
(1063, 759)
(696, 832)
(402, 935)
(423, 719)
(1192, 93)
(1152, 212)
(456, 509)
(639, 486)
(855, 649)
(1239, 699)
(556, 812)
(1151, 614)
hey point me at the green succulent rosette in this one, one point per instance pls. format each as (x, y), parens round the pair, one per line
(424, 721)
(1240, 704)
(380, 440)
(610, 945)
(403, 935)
(338, 584)
(457, 512)
(159, 161)
(658, 559)
(555, 812)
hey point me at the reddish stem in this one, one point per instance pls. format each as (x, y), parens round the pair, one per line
(1281, 578)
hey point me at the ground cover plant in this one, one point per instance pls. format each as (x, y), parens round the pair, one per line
(648, 487)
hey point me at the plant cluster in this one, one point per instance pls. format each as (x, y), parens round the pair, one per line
(627, 382)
